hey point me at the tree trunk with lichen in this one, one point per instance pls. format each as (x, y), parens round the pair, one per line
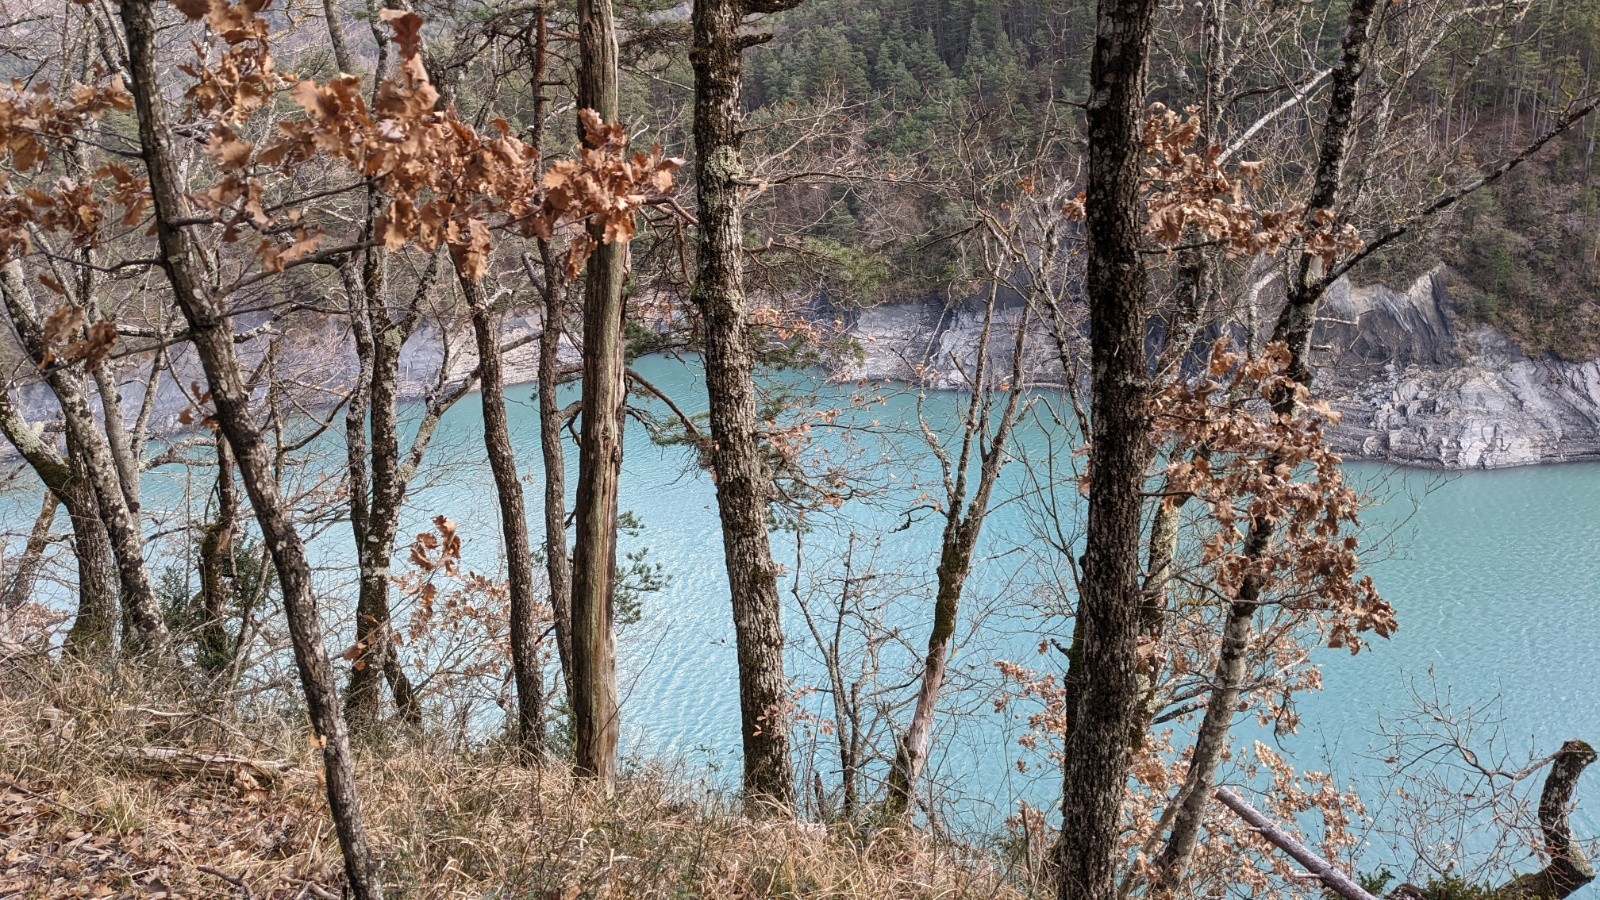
(739, 468)
(513, 525)
(217, 567)
(1106, 627)
(377, 491)
(90, 444)
(1569, 868)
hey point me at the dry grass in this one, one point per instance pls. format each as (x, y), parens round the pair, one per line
(83, 814)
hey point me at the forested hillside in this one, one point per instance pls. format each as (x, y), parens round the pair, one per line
(358, 354)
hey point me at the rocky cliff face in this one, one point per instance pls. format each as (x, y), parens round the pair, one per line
(1416, 387)
(935, 344)
(1413, 385)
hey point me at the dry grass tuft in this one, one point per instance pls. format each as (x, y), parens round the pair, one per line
(95, 804)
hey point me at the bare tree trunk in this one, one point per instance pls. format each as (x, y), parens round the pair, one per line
(212, 333)
(1299, 314)
(594, 563)
(557, 561)
(93, 631)
(1567, 871)
(1336, 880)
(341, 50)
(93, 635)
(88, 438)
(513, 525)
(124, 455)
(964, 518)
(362, 699)
(26, 569)
(1097, 749)
(1569, 868)
(377, 492)
(743, 483)
(1196, 270)
(1215, 725)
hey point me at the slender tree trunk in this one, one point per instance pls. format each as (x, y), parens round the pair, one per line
(1305, 291)
(1162, 550)
(217, 567)
(911, 753)
(212, 333)
(1106, 628)
(1197, 270)
(594, 563)
(341, 50)
(513, 525)
(362, 699)
(378, 487)
(1294, 328)
(964, 518)
(26, 569)
(93, 632)
(744, 486)
(557, 562)
(124, 455)
(1335, 881)
(1212, 738)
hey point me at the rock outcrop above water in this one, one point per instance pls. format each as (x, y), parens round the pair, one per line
(1414, 385)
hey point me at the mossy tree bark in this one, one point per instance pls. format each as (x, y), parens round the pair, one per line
(90, 444)
(739, 467)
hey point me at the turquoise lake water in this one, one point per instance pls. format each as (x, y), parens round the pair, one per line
(1495, 577)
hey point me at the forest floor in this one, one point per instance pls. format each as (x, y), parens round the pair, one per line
(110, 789)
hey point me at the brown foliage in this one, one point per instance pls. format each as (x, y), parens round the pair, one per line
(445, 183)
(1188, 190)
(34, 122)
(1249, 462)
